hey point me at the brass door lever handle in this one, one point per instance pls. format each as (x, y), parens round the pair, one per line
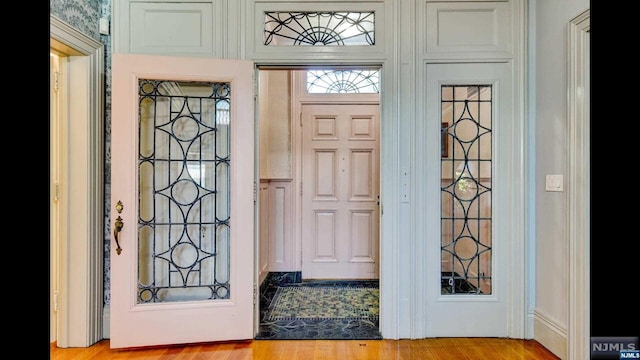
(118, 226)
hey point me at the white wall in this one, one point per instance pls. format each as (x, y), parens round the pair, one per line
(263, 118)
(279, 120)
(275, 134)
(551, 310)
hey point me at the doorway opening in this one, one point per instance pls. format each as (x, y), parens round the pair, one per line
(76, 162)
(55, 162)
(317, 166)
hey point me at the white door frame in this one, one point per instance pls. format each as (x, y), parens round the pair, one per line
(579, 186)
(386, 55)
(81, 250)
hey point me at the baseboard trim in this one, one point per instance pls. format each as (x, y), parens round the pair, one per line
(550, 334)
(106, 322)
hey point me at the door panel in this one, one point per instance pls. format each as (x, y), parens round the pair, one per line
(340, 214)
(468, 282)
(182, 206)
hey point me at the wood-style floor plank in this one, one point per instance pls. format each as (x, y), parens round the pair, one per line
(432, 348)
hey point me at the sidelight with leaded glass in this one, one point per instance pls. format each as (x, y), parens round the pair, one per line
(466, 168)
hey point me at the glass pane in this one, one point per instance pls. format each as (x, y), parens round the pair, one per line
(343, 81)
(466, 160)
(318, 28)
(184, 193)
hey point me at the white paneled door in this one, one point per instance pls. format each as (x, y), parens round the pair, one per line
(182, 163)
(340, 188)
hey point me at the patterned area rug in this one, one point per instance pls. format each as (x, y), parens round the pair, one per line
(317, 325)
(291, 303)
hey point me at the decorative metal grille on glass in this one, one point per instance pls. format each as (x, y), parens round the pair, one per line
(184, 191)
(466, 168)
(319, 28)
(343, 81)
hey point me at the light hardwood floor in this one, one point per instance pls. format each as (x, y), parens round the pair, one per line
(434, 348)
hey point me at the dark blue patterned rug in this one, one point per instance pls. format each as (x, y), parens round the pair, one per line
(323, 309)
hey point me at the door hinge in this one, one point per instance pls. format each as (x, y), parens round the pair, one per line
(56, 192)
(255, 88)
(55, 300)
(300, 188)
(255, 192)
(56, 81)
(255, 293)
(300, 118)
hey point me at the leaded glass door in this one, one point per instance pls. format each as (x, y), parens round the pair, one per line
(468, 282)
(181, 200)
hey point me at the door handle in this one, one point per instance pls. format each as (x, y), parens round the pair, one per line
(118, 227)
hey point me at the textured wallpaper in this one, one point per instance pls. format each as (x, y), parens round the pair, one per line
(84, 16)
(81, 14)
(106, 40)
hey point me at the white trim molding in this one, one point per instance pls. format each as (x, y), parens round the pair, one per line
(80, 301)
(551, 334)
(579, 185)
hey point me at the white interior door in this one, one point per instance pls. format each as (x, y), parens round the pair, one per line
(469, 282)
(340, 188)
(182, 175)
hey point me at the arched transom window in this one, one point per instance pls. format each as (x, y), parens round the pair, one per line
(343, 81)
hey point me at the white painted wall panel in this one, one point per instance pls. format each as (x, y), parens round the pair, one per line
(275, 124)
(467, 29)
(263, 261)
(278, 224)
(281, 246)
(279, 131)
(162, 27)
(157, 26)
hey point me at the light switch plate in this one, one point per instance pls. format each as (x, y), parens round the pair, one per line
(554, 183)
(104, 26)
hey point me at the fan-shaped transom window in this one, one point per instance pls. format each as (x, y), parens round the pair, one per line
(343, 81)
(319, 28)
